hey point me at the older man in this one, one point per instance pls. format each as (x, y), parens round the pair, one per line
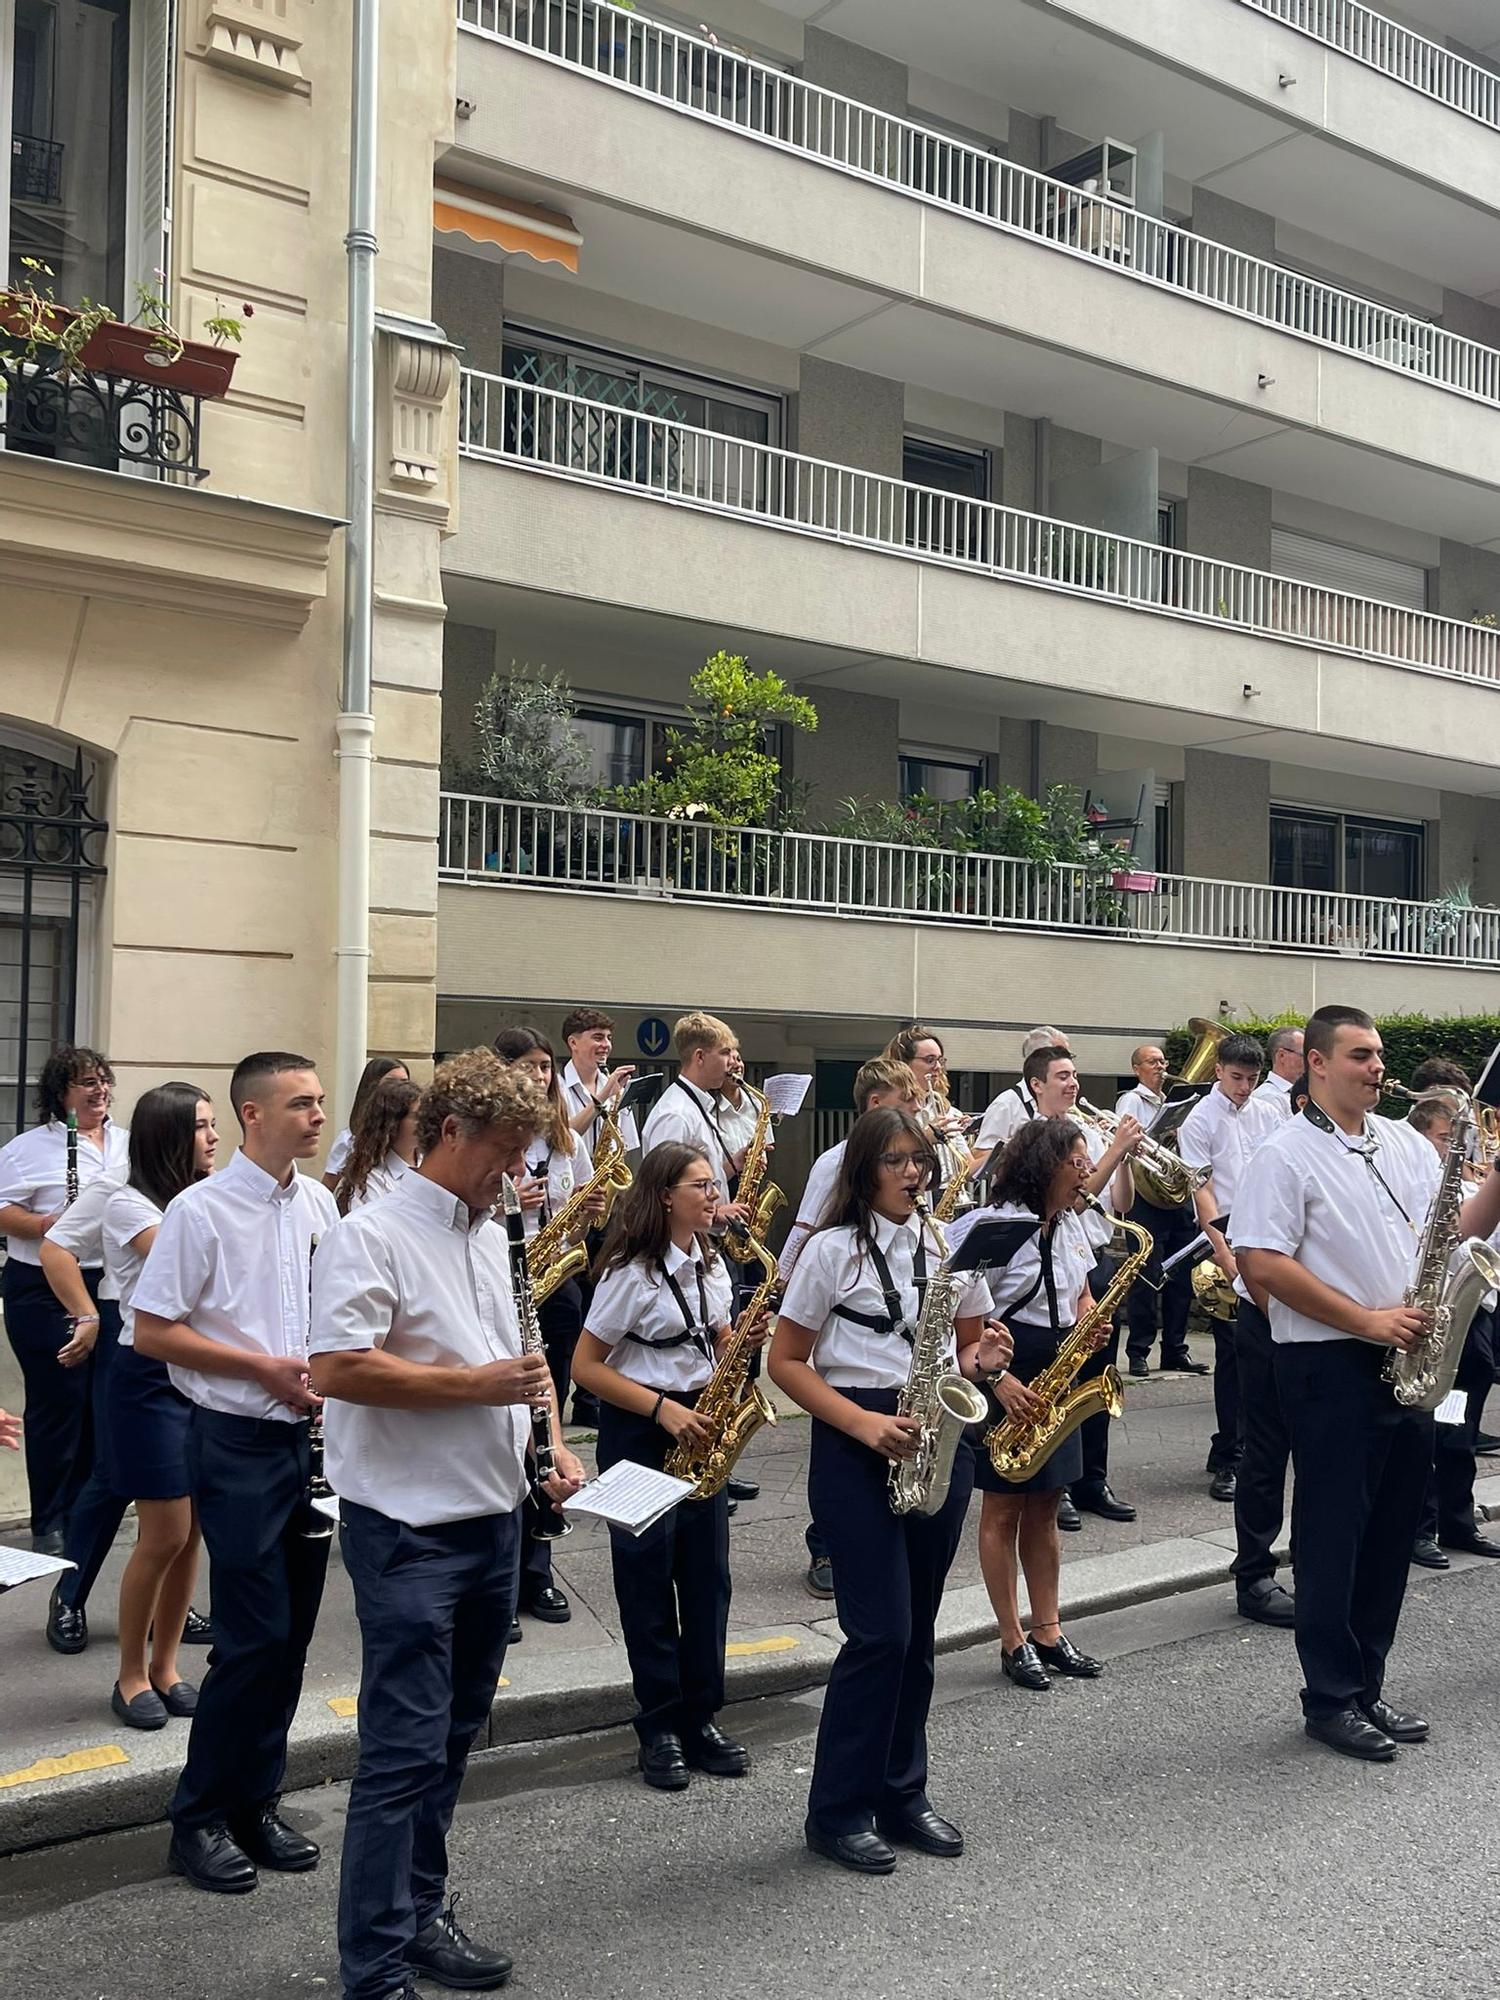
(1170, 1229)
(1284, 1064)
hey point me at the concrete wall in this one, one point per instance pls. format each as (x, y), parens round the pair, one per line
(1467, 583)
(471, 653)
(1062, 757)
(1226, 518)
(1019, 470)
(1226, 817)
(854, 751)
(850, 418)
(1465, 847)
(834, 64)
(468, 304)
(1231, 222)
(1472, 318)
(1119, 496)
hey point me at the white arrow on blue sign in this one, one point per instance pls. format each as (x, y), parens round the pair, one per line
(653, 1036)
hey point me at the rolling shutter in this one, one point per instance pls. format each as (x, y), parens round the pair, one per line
(1334, 567)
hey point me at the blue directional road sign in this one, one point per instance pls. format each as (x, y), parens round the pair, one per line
(653, 1036)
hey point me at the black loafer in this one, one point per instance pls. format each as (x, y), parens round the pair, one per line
(712, 1751)
(1486, 1445)
(1266, 1602)
(1065, 1658)
(1103, 1501)
(271, 1843)
(663, 1765)
(1068, 1517)
(818, 1581)
(1348, 1732)
(181, 1698)
(865, 1852)
(49, 1544)
(1400, 1728)
(1426, 1553)
(1221, 1483)
(924, 1829)
(1473, 1544)
(67, 1629)
(146, 1710)
(442, 1950)
(548, 1606)
(516, 1634)
(1025, 1668)
(731, 1508)
(1182, 1364)
(197, 1630)
(1140, 1369)
(742, 1489)
(211, 1859)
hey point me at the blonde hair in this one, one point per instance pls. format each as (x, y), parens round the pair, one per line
(479, 1090)
(884, 1073)
(701, 1031)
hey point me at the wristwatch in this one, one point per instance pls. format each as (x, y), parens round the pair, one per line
(993, 1377)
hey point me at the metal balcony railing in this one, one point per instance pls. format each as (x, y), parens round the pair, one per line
(84, 417)
(694, 76)
(500, 843)
(571, 436)
(1383, 44)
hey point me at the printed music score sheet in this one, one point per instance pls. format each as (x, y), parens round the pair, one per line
(23, 1566)
(630, 1496)
(786, 1092)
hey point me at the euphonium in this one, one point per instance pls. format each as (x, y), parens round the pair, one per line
(943, 1403)
(1168, 1169)
(762, 1202)
(558, 1252)
(735, 1406)
(1148, 1180)
(1452, 1275)
(1020, 1446)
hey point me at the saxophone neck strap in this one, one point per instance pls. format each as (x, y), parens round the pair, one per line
(893, 1319)
(696, 1330)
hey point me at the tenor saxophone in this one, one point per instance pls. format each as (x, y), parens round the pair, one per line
(762, 1201)
(943, 1403)
(1020, 1446)
(558, 1251)
(735, 1406)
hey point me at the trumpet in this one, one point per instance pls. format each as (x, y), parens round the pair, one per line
(1168, 1169)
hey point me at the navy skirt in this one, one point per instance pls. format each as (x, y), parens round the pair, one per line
(148, 1425)
(1036, 1346)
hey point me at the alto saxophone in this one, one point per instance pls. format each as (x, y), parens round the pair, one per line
(1020, 1446)
(558, 1251)
(762, 1202)
(1453, 1275)
(735, 1406)
(943, 1403)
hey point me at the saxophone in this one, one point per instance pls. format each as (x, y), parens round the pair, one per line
(953, 1156)
(934, 1393)
(1453, 1275)
(558, 1251)
(763, 1202)
(735, 1406)
(1020, 1446)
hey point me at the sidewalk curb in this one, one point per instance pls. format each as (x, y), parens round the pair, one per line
(787, 1660)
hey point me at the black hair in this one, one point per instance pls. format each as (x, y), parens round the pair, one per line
(1040, 1061)
(373, 1134)
(163, 1141)
(1244, 1051)
(1322, 1028)
(1025, 1170)
(371, 1077)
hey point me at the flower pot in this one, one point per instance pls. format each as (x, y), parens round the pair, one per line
(137, 352)
(17, 334)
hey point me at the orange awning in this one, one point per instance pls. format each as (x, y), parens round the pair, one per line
(495, 223)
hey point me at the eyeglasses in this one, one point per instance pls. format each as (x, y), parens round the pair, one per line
(699, 1187)
(893, 1162)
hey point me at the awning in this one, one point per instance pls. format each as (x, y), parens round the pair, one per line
(496, 225)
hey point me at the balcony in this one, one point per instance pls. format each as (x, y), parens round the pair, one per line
(1382, 44)
(85, 417)
(652, 61)
(573, 438)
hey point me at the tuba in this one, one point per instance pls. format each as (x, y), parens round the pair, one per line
(1020, 1446)
(934, 1393)
(558, 1252)
(1167, 1167)
(733, 1404)
(1149, 1182)
(762, 1201)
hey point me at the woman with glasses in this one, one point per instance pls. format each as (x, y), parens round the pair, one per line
(660, 1310)
(843, 1350)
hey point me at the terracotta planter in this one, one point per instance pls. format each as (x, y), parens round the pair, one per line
(134, 351)
(15, 328)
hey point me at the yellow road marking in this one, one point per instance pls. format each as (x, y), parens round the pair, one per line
(64, 1767)
(503, 1682)
(782, 1643)
(344, 1704)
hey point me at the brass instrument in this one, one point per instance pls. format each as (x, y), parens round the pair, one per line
(762, 1202)
(1215, 1294)
(955, 1160)
(1020, 1446)
(558, 1252)
(1167, 1166)
(735, 1406)
(943, 1403)
(1146, 1177)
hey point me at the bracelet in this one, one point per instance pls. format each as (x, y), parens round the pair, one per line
(993, 1377)
(656, 1406)
(84, 1319)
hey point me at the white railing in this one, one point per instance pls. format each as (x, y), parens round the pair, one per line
(694, 76)
(577, 438)
(1383, 44)
(499, 843)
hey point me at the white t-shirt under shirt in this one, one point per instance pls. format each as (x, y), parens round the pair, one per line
(1313, 1195)
(636, 1299)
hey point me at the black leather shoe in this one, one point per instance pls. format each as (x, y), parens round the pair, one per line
(712, 1751)
(1068, 1517)
(1400, 1728)
(819, 1579)
(50, 1544)
(1486, 1445)
(270, 1842)
(197, 1631)
(1348, 1732)
(181, 1698)
(1182, 1364)
(1139, 1369)
(67, 1629)
(1425, 1551)
(923, 1828)
(663, 1765)
(548, 1606)
(1065, 1658)
(1103, 1501)
(516, 1634)
(146, 1710)
(865, 1852)
(211, 1859)
(443, 1951)
(1221, 1483)
(1473, 1544)
(1025, 1668)
(1266, 1602)
(742, 1489)
(731, 1508)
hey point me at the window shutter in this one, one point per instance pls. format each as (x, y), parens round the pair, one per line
(153, 143)
(1332, 566)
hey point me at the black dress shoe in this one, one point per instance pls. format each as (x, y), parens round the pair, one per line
(548, 1605)
(663, 1765)
(1266, 1602)
(67, 1629)
(197, 1630)
(1486, 1445)
(712, 1751)
(819, 1579)
(146, 1710)
(731, 1508)
(923, 1828)
(50, 1544)
(1221, 1482)
(1140, 1369)
(1348, 1732)
(181, 1698)
(865, 1852)
(1400, 1728)
(1065, 1658)
(1068, 1517)
(212, 1859)
(1103, 1501)
(442, 1950)
(742, 1489)
(1025, 1668)
(1472, 1544)
(1425, 1551)
(1182, 1364)
(516, 1634)
(269, 1841)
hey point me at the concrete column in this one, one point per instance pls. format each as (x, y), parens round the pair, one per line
(1226, 817)
(1023, 140)
(850, 417)
(467, 301)
(1018, 487)
(470, 656)
(1231, 222)
(1062, 757)
(1228, 519)
(854, 752)
(1471, 318)
(1467, 582)
(834, 64)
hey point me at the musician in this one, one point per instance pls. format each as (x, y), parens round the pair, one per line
(588, 1082)
(660, 1309)
(1009, 1110)
(1221, 1132)
(223, 1301)
(843, 1351)
(1328, 1220)
(1284, 1065)
(382, 1145)
(416, 1345)
(1170, 1229)
(739, 1117)
(687, 1111)
(33, 1194)
(922, 1050)
(378, 1070)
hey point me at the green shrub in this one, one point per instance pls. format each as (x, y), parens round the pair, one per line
(1409, 1039)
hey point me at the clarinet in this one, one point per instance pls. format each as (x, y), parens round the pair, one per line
(72, 1176)
(551, 1522)
(316, 1525)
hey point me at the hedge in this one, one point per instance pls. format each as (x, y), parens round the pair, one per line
(1409, 1039)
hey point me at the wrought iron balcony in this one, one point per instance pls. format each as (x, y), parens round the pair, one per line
(35, 169)
(87, 418)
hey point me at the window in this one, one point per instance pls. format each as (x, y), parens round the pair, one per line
(949, 524)
(945, 775)
(1351, 853)
(623, 745)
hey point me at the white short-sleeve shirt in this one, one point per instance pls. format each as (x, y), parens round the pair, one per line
(34, 1173)
(651, 1338)
(563, 1173)
(1217, 1136)
(1074, 1252)
(338, 1152)
(821, 1176)
(80, 1230)
(380, 1180)
(687, 1115)
(1141, 1104)
(1275, 1093)
(1004, 1117)
(127, 1213)
(580, 1097)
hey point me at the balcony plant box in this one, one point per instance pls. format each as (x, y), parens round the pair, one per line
(1134, 881)
(137, 352)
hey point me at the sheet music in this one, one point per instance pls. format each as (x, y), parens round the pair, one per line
(630, 1496)
(25, 1566)
(786, 1092)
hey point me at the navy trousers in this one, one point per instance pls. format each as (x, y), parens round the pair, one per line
(888, 1576)
(1093, 1432)
(58, 1437)
(1224, 1447)
(95, 1515)
(1171, 1229)
(434, 1606)
(562, 1320)
(1260, 1489)
(1448, 1509)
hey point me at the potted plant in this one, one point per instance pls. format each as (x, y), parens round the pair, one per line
(35, 327)
(150, 349)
